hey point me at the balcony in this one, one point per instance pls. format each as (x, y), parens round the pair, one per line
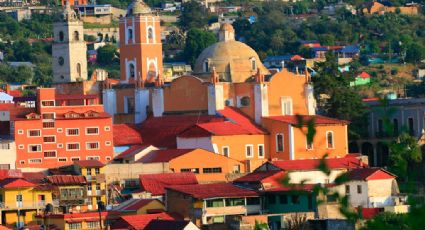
(96, 192)
(231, 210)
(22, 205)
(99, 178)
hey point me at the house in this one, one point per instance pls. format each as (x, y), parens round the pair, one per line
(153, 185)
(171, 225)
(206, 165)
(134, 153)
(141, 221)
(362, 79)
(94, 172)
(379, 8)
(210, 204)
(84, 220)
(293, 63)
(21, 200)
(70, 191)
(140, 206)
(173, 70)
(99, 14)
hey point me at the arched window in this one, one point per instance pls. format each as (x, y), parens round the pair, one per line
(279, 142)
(130, 34)
(132, 72)
(253, 64)
(206, 66)
(61, 36)
(330, 140)
(76, 36)
(150, 33)
(79, 69)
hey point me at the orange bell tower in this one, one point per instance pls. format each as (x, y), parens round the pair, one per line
(140, 44)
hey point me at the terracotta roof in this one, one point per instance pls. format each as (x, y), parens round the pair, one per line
(203, 191)
(67, 180)
(363, 75)
(348, 162)
(369, 174)
(139, 222)
(10, 173)
(15, 93)
(296, 57)
(15, 183)
(167, 225)
(295, 119)
(34, 177)
(163, 131)
(136, 204)
(131, 151)
(280, 187)
(89, 163)
(166, 155)
(126, 134)
(257, 176)
(155, 183)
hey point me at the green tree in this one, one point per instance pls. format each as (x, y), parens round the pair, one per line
(415, 53)
(261, 226)
(193, 15)
(196, 41)
(106, 54)
(387, 221)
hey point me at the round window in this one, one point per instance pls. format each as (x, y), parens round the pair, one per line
(61, 61)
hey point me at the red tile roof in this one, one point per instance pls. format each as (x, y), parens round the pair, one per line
(126, 134)
(367, 174)
(348, 162)
(203, 191)
(10, 173)
(15, 183)
(257, 176)
(34, 177)
(89, 163)
(139, 222)
(131, 151)
(136, 205)
(318, 120)
(296, 58)
(155, 183)
(235, 115)
(67, 180)
(166, 155)
(163, 131)
(15, 93)
(167, 225)
(363, 75)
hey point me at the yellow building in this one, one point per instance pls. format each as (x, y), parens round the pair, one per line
(21, 200)
(94, 172)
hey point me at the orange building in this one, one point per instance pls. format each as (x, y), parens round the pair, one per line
(62, 129)
(74, 2)
(140, 44)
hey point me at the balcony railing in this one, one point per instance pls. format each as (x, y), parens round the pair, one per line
(22, 205)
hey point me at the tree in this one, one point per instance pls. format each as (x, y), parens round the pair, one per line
(415, 53)
(106, 54)
(193, 15)
(196, 41)
(387, 221)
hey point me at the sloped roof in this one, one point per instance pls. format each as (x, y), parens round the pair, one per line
(131, 151)
(363, 75)
(136, 204)
(34, 177)
(318, 119)
(126, 134)
(15, 183)
(203, 191)
(139, 222)
(167, 225)
(348, 162)
(67, 180)
(367, 174)
(156, 183)
(166, 155)
(89, 163)
(257, 176)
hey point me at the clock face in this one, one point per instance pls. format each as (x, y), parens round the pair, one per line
(60, 60)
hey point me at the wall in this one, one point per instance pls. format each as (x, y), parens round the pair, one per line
(8, 153)
(179, 203)
(120, 172)
(152, 205)
(314, 176)
(358, 199)
(279, 207)
(200, 142)
(186, 93)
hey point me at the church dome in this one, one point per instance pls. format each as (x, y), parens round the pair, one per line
(138, 7)
(233, 61)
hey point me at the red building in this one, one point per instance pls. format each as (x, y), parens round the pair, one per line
(62, 129)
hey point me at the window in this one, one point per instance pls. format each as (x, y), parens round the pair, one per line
(61, 36)
(130, 34)
(245, 101)
(271, 199)
(20, 131)
(206, 66)
(76, 36)
(79, 69)
(92, 145)
(359, 189)
(62, 159)
(34, 133)
(347, 189)
(50, 153)
(253, 201)
(22, 162)
(59, 130)
(108, 158)
(72, 132)
(226, 151)
(61, 61)
(107, 128)
(34, 148)
(286, 105)
(283, 199)
(131, 70)
(107, 143)
(34, 161)
(97, 171)
(49, 139)
(395, 128)
(129, 106)
(215, 203)
(279, 142)
(92, 131)
(72, 146)
(48, 124)
(331, 198)
(150, 33)
(211, 170)
(74, 226)
(59, 146)
(75, 158)
(235, 201)
(193, 170)
(249, 150)
(261, 151)
(97, 186)
(330, 139)
(48, 103)
(48, 115)
(411, 129)
(21, 147)
(253, 64)
(89, 187)
(295, 199)
(93, 225)
(93, 158)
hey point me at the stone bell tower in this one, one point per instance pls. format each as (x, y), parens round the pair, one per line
(69, 49)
